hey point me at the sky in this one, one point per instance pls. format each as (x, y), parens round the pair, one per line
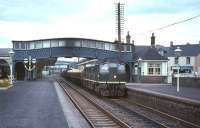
(95, 19)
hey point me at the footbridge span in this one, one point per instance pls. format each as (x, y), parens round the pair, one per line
(46, 51)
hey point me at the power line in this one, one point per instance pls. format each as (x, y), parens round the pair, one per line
(169, 25)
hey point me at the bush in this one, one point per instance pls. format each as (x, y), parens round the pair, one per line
(4, 83)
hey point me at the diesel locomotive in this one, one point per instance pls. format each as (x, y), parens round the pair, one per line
(105, 78)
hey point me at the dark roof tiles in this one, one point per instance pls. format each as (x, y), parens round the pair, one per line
(148, 53)
(187, 50)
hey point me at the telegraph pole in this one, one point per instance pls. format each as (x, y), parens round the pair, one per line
(119, 12)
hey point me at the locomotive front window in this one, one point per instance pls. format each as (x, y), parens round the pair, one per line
(121, 68)
(104, 69)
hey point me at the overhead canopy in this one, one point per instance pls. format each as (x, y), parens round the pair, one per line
(3, 63)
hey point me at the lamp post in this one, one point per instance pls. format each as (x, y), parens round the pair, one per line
(11, 53)
(29, 64)
(139, 68)
(177, 55)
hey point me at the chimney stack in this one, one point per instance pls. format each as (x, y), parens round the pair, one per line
(133, 42)
(171, 44)
(153, 41)
(128, 38)
(133, 48)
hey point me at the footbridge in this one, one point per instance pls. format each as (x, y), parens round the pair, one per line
(46, 52)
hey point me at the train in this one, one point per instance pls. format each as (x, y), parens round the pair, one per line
(104, 78)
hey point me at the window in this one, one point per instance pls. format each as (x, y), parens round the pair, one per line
(150, 71)
(32, 45)
(23, 46)
(61, 43)
(112, 65)
(107, 46)
(77, 44)
(154, 69)
(104, 69)
(17, 45)
(100, 45)
(38, 44)
(69, 43)
(113, 47)
(54, 43)
(20, 45)
(187, 60)
(157, 71)
(46, 44)
(85, 44)
(121, 69)
(92, 44)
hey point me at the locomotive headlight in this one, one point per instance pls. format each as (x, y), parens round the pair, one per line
(115, 76)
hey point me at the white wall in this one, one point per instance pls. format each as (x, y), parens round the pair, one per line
(164, 69)
(182, 61)
(144, 67)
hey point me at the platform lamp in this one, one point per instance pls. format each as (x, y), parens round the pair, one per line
(177, 52)
(139, 67)
(11, 54)
(29, 64)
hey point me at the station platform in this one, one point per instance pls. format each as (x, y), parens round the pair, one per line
(188, 93)
(164, 99)
(38, 104)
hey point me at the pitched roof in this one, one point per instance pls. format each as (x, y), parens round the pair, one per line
(148, 53)
(4, 52)
(187, 50)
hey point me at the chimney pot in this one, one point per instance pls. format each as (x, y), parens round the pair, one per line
(134, 42)
(153, 40)
(128, 38)
(171, 44)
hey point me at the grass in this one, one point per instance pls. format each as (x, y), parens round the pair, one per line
(4, 83)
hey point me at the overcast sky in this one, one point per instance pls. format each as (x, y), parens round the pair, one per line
(95, 19)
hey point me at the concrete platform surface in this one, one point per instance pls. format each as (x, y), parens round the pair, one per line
(185, 92)
(35, 104)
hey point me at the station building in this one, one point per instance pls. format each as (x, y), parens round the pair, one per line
(4, 63)
(189, 60)
(150, 66)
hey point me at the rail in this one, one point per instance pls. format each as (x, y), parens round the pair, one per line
(96, 115)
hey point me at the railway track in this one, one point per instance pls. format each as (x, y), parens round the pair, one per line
(96, 116)
(175, 122)
(144, 115)
(117, 116)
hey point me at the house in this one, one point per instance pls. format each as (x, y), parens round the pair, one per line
(189, 60)
(150, 67)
